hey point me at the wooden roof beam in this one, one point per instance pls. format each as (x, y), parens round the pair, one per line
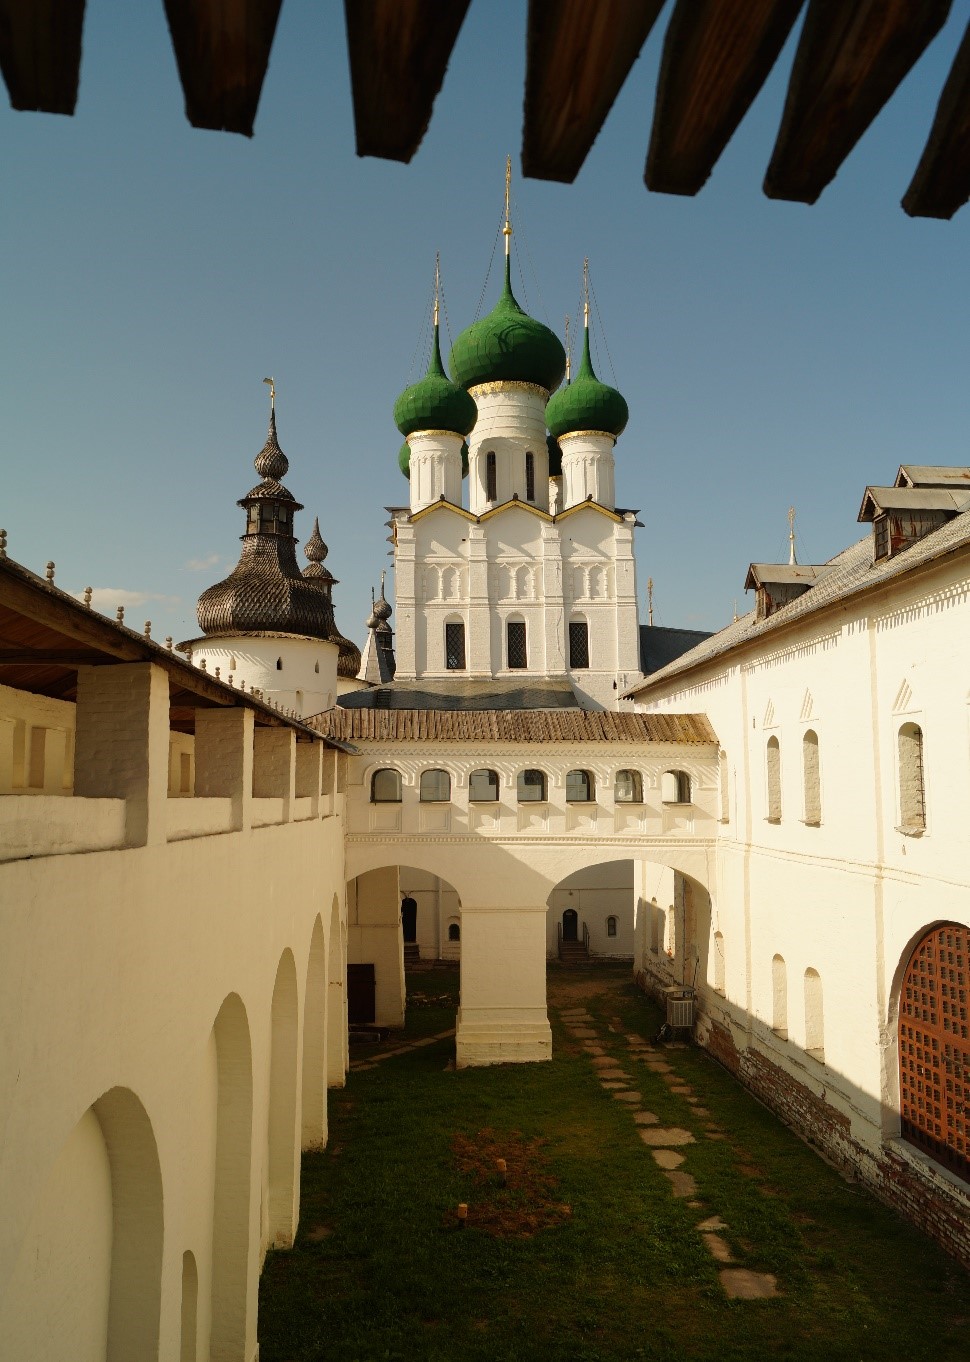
(40, 53)
(578, 56)
(222, 49)
(399, 51)
(941, 184)
(717, 55)
(850, 60)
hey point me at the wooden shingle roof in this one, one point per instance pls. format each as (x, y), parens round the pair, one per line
(517, 726)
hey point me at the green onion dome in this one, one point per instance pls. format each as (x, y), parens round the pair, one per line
(404, 459)
(586, 403)
(555, 457)
(508, 345)
(435, 403)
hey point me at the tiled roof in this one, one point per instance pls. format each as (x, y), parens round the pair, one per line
(853, 573)
(518, 726)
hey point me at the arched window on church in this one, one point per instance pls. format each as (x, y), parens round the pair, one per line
(454, 931)
(580, 787)
(779, 996)
(491, 478)
(455, 645)
(811, 779)
(385, 786)
(435, 787)
(912, 793)
(515, 642)
(578, 645)
(628, 787)
(611, 926)
(814, 1029)
(773, 778)
(279, 664)
(530, 786)
(530, 477)
(483, 787)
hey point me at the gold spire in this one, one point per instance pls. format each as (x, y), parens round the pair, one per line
(650, 601)
(437, 284)
(586, 292)
(568, 356)
(792, 560)
(272, 392)
(507, 229)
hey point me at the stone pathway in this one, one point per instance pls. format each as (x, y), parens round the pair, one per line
(666, 1143)
(369, 1061)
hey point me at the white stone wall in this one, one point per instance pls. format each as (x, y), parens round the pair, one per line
(298, 674)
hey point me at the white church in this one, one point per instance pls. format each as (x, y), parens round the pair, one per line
(205, 850)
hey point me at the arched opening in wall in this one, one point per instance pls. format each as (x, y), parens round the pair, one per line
(491, 477)
(454, 931)
(580, 787)
(578, 644)
(385, 786)
(592, 913)
(912, 790)
(773, 780)
(430, 916)
(516, 651)
(189, 1331)
(811, 779)
(628, 787)
(530, 786)
(483, 786)
(530, 477)
(279, 664)
(86, 1282)
(409, 919)
(282, 1188)
(455, 645)
(435, 787)
(779, 997)
(675, 787)
(314, 1133)
(719, 962)
(233, 1311)
(934, 1047)
(337, 1053)
(814, 1022)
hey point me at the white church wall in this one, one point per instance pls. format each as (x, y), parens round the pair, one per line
(296, 673)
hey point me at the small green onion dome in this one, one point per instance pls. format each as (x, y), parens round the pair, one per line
(508, 345)
(435, 403)
(404, 459)
(555, 457)
(586, 403)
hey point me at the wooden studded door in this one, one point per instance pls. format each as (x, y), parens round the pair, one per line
(934, 1048)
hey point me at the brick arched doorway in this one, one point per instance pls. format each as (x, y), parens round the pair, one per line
(934, 1047)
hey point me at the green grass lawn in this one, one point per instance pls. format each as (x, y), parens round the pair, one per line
(381, 1269)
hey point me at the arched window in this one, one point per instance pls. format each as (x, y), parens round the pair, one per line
(578, 645)
(516, 652)
(483, 787)
(279, 664)
(719, 962)
(814, 1030)
(579, 787)
(810, 779)
(435, 787)
(773, 774)
(779, 996)
(454, 931)
(530, 477)
(675, 787)
(385, 786)
(934, 1047)
(912, 795)
(530, 786)
(455, 646)
(316, 667)
(611, 926)
(628, 787)
(491, 480)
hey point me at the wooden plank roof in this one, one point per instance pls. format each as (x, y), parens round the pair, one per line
(45, 635)
(515, 726)
(717, 55)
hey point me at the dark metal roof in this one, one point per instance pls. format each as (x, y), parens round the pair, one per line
(660, 645)
(517, 726)
(466, 694)
(717, 56)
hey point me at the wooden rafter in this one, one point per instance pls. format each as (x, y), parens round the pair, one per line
(716, 57)
(578, 56)
(40, 53)
(399, 51)
(222, 49)
(850, 60)
(941, 184)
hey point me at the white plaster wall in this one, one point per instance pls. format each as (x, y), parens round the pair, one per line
(846, 898)
(36, 744)
(511, 422)
(595, 894)
(306, 683)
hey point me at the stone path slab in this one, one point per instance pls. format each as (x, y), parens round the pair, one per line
(719, 1249)
(646, 1118)
(741, 1284)
(682, 1183)
(666, 1135)
(627, 1096)
(667, 1158)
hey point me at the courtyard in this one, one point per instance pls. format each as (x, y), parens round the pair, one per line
(624, 1201)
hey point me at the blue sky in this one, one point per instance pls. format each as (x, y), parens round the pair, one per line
(151, 274)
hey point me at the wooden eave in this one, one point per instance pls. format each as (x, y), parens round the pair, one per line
(46, 635)
(717, 54)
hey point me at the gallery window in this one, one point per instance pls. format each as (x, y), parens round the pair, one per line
(530, 786)
(385, 786)
(675, 787)
(579, 787)
(628, 787)
(483, 787)
(435, 787)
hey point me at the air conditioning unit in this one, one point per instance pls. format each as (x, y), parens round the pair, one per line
(680, 1008)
